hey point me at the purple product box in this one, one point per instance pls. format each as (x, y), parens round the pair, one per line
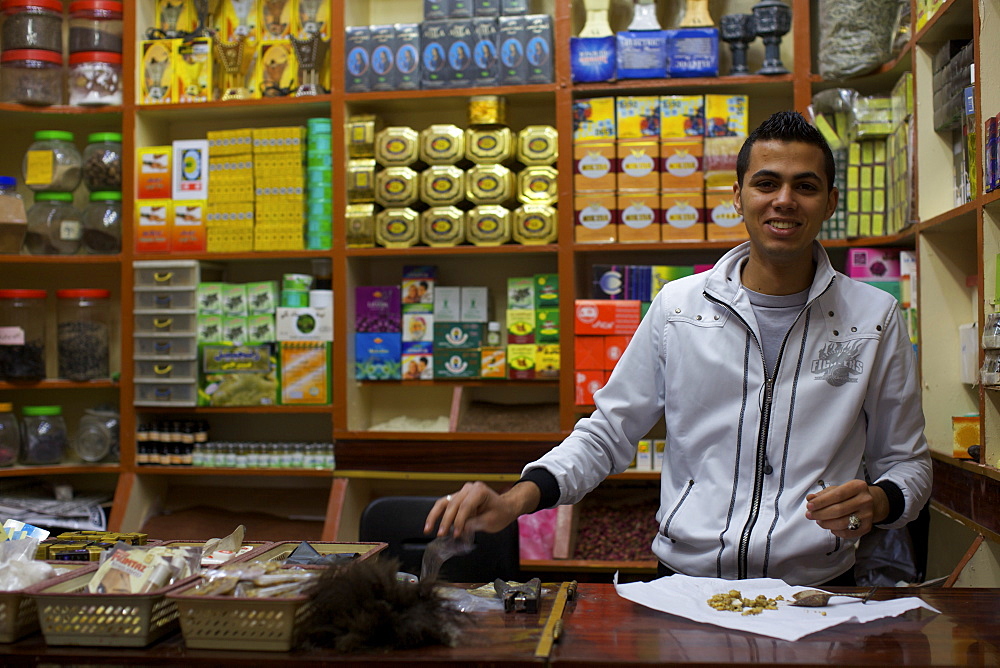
(383, 57)
(538, 48)
(461, 68)
(511, 39)
(357, 59)
(873, 264)
(407, 56)
(377, 356)
(434, 54)
(377, 308)
(486, 64)
(436, 9)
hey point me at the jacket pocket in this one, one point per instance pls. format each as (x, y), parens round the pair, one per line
(669, 517)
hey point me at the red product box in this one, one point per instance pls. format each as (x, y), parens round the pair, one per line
(588, 352)
(606, 316)
(614, 346)
(586, 383)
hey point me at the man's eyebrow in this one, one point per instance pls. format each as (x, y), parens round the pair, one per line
(771, 174)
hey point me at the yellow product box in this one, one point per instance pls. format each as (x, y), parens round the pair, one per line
(595, 218)
(683, 216)
(229, 214)
(594, 167)
(157, 83)
(638, 164)
(682, 116)
(723, 223)
(637, 117)
(644, 455)
(719, 154)
(153, 222)
(312, 18)
(639, 216)
(680, 164)
(176, 16)
(232, 238)
(521, 325)
(547, 361)
(193, 70)
(275, 18)
(238, 17)
(230, 142)
(359, 135)
(521, 361)
(965, 433)
(493, 363)
(277, 236)
(231, 178)
(726, 115)
(188, 232)
(594, 119)
(304, 372)
(285, 139)
(276, 69)
(153, 171)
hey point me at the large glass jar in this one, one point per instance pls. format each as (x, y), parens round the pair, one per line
(102, 223)
(22, 334)
(54, 225)
(102, 161)
(52, 163)
(31, 76)
(84, 333)
(32, 24)
(12, 216)
(10, 435)
(94, 79)
(97, 435)
(95, 25)
(43, 435)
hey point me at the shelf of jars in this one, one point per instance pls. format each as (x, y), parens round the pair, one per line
(248, 410)
(237, 256)
(54, 469)
(62, 259)
(234, 471)
(431, 251)
(436, 94)
(58, 384)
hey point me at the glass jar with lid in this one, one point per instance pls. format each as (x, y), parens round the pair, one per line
(32, 24)
(95, 25)
(31, 76)
(22, 334)
(54, 225)
(94, 78)
(102, 223)
(102, 161)
(97, 435)
(84, 333)
(52, 163)
(43, 435)
(12, 216)
(10, 435)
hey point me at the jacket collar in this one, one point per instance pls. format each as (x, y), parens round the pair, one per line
(723, 281)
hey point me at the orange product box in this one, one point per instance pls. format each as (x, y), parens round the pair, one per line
(188, 233)
(614, 346)
(594, 165)
(637, 116)
(610, 317)
(638, 164)
(493, 363)
(588, 352)
(639, 216)
(586, 383)
(595, 218)
(153, 169)
(723, 223)
(683, 216)
(680, 164)
(682, 116)
(153, 222)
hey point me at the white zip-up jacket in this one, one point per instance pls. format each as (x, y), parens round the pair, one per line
(744, 450)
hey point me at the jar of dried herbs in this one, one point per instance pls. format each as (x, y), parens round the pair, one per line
(95, 25)
(83, 331)
(102, 161)
(94, 78)
(43, 435)
(102, 222)
(22, 334)
(55, 226)
(32, 24)
(31, 76)
(52, 163)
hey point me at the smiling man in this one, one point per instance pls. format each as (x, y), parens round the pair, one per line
(789, 394)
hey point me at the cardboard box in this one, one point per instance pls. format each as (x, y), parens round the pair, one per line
(682, 116)
(418, 327)
(586, 383)
(418, 289)
(383, 54)
(188, 231)
(547, 361)
(723, 222)
(377, 356)
(457, 335)
(681, 164)
(434, 48)
(234, 330)
(965, 432)
(644, 455)
(153, 168)
(520, 326)
(357, 59)
(639, 217)
(457, 364)
(209, 298)
(377, 308)
(520, 293)
(538, 48)
(596, 218)
(154, 220)
(14, 225)
(493, 363)
(237, 375)
(193, 70)
(521, 361)
(260, 328)
(547, 326)
(512, 36)
(407, 56)
(873, 264)
(588, 352)
(304, 323)
(460, 71)
(485, 59)
(234, 300)
(606, 317)
(209, 329)
(683, 217)
(638, 165)
(190, 169)
(158, 85)
(726, 115)
(448, 304)
(418, 361)
(475, 304)
(594, 167)
(262, 297)
(614, 347)
(305, 372)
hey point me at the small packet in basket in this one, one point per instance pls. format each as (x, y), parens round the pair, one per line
(134, 569)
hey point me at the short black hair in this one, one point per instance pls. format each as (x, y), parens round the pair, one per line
(786, 126)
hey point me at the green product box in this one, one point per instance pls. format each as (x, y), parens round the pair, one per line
(234, 330)
(262, 297)
(520, 293)
(458, 335)
(209, 298)
(546, 291)
(209, 329)
(457, 364)
(237, 375)
(234, 300)
(547, 325)
(260, 328)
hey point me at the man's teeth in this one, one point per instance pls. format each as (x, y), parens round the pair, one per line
(781, 225)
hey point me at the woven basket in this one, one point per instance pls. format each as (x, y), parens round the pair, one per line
(258, 547)
(18, 612)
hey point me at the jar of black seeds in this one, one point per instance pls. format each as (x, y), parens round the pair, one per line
(83, 333)
(102, 161)
(43, 435)
(95, 25)
(22, 334)
(102, 223)
(32, 24)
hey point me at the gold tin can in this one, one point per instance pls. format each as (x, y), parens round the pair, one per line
(442, 144)
(397, 146)
(488, 225)
(359, 135)
(396, 186)
(442, 226)
(397, 228)
(359, 220)
(489, 184)
(489, 145)
(538, 185)
(360, 181)
(487, 110)
(442, 185)
(535, 224)
(537, 145)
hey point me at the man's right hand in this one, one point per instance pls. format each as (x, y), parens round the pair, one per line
(477, 507)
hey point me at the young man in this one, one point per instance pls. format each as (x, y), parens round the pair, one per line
(783, 385)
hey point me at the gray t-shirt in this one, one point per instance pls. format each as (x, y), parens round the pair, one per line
(775, 315)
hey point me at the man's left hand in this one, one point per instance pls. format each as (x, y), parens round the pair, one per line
(839, 507)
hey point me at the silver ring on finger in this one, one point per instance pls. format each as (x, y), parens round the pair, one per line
(853, 522)
(448, 498)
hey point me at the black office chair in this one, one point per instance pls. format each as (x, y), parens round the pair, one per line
(399, 521)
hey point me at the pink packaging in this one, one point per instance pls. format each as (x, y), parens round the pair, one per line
(537, 534)
(873, 264)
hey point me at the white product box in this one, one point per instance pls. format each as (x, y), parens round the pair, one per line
(475, 304)
(447, 304)
(303, 324)
(190, 163)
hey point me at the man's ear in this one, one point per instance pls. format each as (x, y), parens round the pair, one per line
(737, 200)
(831, 202)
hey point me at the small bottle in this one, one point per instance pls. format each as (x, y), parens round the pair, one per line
(198, 455)
(644, 16)
(597, 24)
(493, 338)
(297, 455)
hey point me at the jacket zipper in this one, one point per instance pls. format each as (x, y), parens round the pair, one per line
(677, 507)
(743, 551)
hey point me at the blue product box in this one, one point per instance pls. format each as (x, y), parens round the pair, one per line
(418, 360)
(693, 52)
(486, 71)
(486, 7)
(383, 57)
(513, 65)
(641, 54)
(357, 59)
(407, 56)
(436, 9)
(460, 9)
(461, 69)
(434, 54)
(592, 58)
(513, 7)
(377, 356)
(538, 48)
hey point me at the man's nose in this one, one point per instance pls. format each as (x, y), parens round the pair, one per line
(783, 196)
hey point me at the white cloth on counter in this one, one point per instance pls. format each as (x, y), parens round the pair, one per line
(687, 596)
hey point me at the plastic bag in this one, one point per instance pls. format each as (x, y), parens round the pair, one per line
(18, 569)
(855, 36)
(885, 557)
